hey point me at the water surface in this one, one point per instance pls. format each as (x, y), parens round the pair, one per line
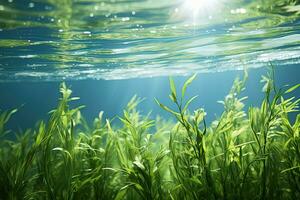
(119, 39)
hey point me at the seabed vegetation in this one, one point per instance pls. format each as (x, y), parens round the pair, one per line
(252, 154)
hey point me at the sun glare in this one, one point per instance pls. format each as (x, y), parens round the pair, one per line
(199, 8)
(194, 5)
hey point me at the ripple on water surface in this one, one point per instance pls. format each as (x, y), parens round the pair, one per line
(117, 39)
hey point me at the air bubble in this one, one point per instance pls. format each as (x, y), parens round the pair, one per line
(31, 5)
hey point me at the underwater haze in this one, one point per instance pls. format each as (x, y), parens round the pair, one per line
(149, 99)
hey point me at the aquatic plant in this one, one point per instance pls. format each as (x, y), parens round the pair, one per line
(252, 154)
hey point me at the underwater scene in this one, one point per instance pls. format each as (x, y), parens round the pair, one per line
(149, 99)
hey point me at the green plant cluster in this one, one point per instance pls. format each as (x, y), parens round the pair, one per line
(240, 155)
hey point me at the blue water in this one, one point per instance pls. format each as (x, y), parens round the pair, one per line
(35, 99)
(110, 50)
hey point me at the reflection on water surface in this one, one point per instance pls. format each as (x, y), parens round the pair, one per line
(115, 39)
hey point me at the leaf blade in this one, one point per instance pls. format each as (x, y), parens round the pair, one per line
(186, 84)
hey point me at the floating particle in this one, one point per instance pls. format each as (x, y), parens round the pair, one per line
(31, 5)
(48, 8)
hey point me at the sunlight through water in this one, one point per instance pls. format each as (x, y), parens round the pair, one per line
(82, 39)
(200, 8)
